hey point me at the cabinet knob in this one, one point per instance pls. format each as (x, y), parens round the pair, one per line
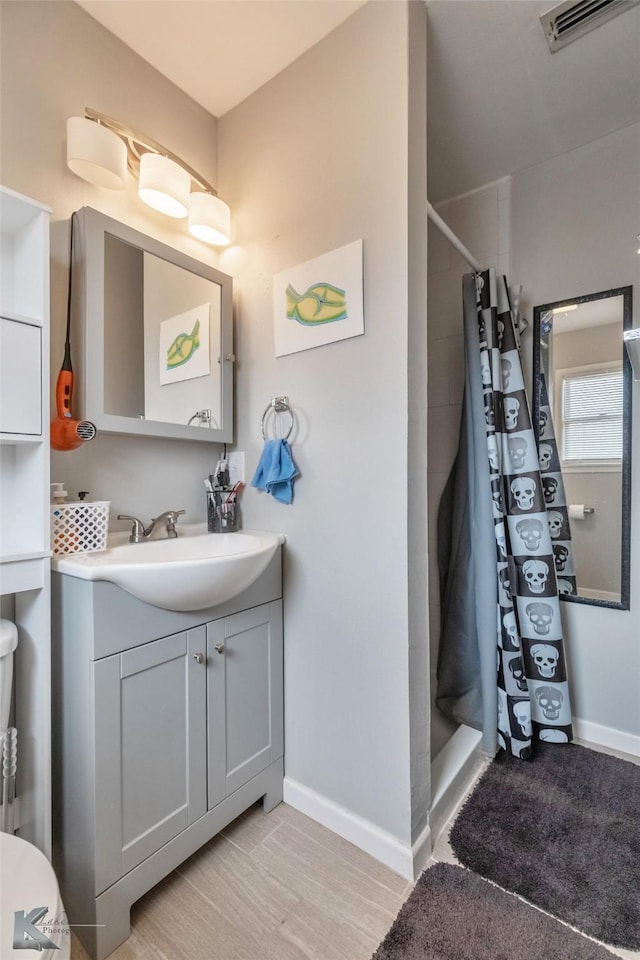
(198, 657)
(219, 648)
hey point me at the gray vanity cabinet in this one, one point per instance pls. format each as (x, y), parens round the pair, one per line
(168, 726)
(151, 755)
(245, 720)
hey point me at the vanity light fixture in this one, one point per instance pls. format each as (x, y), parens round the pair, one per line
(164, 185)
(567, 309)
(96, 154)
(209, 218)
(101, 149)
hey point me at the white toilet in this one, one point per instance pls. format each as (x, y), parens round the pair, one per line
(30, 905)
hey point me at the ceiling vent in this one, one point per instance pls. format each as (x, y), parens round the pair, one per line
(569, 20)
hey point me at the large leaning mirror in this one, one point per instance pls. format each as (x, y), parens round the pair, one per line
(155, 332)
(582, 418)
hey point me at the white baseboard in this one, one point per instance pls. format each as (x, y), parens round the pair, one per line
(597, 733)
(405, 860)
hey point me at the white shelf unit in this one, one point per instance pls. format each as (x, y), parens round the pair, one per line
(24, 494)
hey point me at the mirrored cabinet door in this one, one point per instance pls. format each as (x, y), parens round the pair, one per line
(156, 332)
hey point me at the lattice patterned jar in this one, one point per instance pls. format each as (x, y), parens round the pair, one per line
(79, 527)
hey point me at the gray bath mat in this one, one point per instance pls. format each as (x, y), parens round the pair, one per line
(454, 915)
(563, 832)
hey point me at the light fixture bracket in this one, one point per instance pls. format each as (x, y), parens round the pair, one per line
(138, 143)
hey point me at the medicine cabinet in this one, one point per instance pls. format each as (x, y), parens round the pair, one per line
(153, 335)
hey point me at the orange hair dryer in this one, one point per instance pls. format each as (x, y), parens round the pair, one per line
(67, 433)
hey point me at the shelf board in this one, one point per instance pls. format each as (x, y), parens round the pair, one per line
(24, 571)
(21, 555)
(14, 438)
(18, 211)
(20, 317)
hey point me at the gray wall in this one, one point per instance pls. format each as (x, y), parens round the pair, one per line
(574, 227)
(315, 159)
(57, 60)
(320, 156)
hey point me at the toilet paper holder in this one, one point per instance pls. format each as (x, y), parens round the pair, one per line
(579, 511)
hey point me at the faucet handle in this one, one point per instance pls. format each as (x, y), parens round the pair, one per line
(137, 529)
(172, 517)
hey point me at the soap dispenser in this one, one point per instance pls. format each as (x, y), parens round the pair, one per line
(58, 493)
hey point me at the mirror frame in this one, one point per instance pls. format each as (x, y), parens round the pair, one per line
(89, 330)
(627, 381)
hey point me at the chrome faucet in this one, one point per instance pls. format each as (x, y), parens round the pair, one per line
(139, 532)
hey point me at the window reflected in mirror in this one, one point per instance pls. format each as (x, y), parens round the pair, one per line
(582, 398)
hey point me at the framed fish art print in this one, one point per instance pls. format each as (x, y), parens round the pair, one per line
(320, 301)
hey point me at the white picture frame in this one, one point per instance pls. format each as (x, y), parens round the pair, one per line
(320, 301)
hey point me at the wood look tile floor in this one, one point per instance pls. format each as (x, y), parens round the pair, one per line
(274, 886)
(277, 886)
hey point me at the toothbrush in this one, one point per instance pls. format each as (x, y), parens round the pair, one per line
(234, 491)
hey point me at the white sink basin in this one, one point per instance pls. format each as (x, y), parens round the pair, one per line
(192, 571)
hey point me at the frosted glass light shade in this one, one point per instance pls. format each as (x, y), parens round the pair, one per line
(96, 154)
(209, 219)
(164, 185)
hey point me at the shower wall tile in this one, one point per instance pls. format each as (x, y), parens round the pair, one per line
(438, 372)
(504, 188)
(445, 289)
(445, 319)
(434, 576)
(502, 265)
(455, 370)
(434, 632)
(444, 425)
(442, 729)
(504, 226)
(436, 483)
(439, 252)
(474, 219)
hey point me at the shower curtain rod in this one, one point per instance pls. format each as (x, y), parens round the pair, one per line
(437, 220)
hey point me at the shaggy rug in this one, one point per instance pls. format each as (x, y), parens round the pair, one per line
(454, 915)
(564, 833)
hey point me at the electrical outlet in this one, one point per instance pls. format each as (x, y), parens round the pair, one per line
(236, 467)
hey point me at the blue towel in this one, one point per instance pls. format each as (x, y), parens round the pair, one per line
(276, 471)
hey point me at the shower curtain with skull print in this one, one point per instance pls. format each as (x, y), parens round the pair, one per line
(509, 619)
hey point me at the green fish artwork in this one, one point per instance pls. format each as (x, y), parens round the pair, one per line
(320, 303)
(183, 347)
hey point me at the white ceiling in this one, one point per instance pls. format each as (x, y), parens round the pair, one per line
(594, 313)
(220, 51)
(498, 100)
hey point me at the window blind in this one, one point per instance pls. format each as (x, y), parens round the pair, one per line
(592, 416)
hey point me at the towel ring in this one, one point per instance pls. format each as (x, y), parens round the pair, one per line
(279, 405)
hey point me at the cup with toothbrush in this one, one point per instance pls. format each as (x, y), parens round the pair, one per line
(223, 515)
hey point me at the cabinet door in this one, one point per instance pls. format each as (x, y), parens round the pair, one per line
(20, 378)
(245, 710)
(150, 749)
